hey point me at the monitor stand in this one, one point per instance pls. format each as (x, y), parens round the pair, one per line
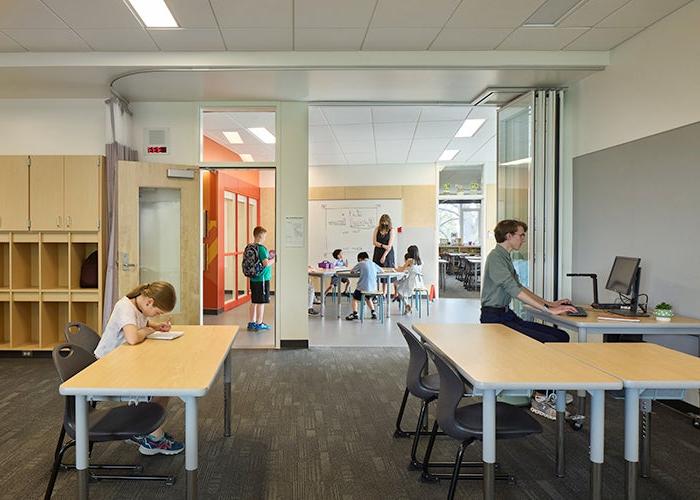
(628, 313)
(633, 311)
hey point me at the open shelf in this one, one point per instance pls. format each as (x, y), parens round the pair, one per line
(54, 316)
(4, 265)
(25, 265)
(86, 312)
(25, 325)
(4, 323)
(54, 266)
(78, 253)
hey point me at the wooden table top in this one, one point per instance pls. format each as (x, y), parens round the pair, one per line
(185, 366)
(594, 320)
(641, 365)
(492, 356)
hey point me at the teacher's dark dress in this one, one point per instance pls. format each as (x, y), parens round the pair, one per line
(378, 252)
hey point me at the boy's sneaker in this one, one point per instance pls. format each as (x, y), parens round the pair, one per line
(262, 326)
(137, 440)
(351, 316)
(163, 446)
(252, 326)
(544, 406)
(374, 315)
(313, 312)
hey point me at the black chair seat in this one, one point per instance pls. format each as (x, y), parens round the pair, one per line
(121, 422)
(511, 421)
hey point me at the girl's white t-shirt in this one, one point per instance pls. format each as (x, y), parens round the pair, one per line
(124, 313)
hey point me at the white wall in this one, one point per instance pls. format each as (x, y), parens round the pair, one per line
(371, 175)
(182, 121)
(52, 127)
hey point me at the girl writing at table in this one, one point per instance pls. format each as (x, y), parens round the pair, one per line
(130, 324)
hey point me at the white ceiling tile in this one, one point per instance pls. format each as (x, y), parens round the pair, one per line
(430, 144)
(412, 13)
(392, 151)
(48, 40)
(28, 14)
(470, 38)
(118, 40)
(320, 133)
(602, 38)
(393, 131)
(325, 148)
(253, 13)
(257, 38)
(591, 12)
(353, 133)
(487, 152)
(428, 156)
(9, 45)
(187, 39)
(493, 13)
(332, 159)
(357, 146)
(399, 38)
(640, 13)
(541, 38)
(94, 13)
(361, 158)
(332, 13)
(343, 115)
(440, 113)
(192, 13)
(316, 116)
(437, 130)
(391, 114)
(328, 38)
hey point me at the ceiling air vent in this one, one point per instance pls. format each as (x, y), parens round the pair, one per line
(499, 96)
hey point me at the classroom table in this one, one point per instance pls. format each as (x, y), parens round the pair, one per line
(321, 274)
(648, 371)
(497, 360)
(593, 323)
(185, 367)
(388, 273)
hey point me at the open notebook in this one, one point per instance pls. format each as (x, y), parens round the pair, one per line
(172, 334)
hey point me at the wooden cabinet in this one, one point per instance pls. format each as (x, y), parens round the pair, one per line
(46, 193)
(14, 193)
(82, 192)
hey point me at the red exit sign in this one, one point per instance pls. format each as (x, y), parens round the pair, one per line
(157, 150)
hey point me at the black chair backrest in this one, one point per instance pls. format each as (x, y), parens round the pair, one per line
(80, 334)
(417, 361)
(70, 360)
(451, 393)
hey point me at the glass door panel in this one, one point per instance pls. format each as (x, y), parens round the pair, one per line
(242, 241)
(229, 246)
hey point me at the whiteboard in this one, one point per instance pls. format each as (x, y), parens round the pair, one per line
(348, 224)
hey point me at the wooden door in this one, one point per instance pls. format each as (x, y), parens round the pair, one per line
(82, 192)
(46, 193)
(158, 235)
(14, 193)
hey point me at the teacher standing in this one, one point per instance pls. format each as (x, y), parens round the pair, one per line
(383, 241)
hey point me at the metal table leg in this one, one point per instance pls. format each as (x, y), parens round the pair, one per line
(323, 297)
(631, 442)
(561, 418)
(597, 437)
(581, 395)
(227, 395)
(191, 447)
(489, 443)
(82, 457)
(645, 438)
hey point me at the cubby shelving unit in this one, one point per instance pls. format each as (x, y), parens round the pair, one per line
(40, 266)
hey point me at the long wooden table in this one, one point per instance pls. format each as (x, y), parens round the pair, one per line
(648, 371)
(185, 367)
(495, 359)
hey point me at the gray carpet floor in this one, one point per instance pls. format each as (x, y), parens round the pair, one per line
(454, 289)
(318, 424)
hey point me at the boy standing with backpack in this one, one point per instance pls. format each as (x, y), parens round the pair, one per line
(260, 281)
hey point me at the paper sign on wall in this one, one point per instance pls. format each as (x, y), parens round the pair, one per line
(293, 231)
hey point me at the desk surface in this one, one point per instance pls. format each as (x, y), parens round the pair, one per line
(641, 365)
(492, 356)
(593, 321)
(185, 366)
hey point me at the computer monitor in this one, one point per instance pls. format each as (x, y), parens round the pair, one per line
(623, 274)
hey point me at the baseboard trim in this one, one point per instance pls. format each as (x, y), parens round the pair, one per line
(213, 312)
(680, 405)
(25, 354)
(294, 344)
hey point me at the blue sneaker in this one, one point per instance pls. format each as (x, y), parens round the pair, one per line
(137, 440)
(252, 327)
(262, 326)
(164, 446)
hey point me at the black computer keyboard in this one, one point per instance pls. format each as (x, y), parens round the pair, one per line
(580, 312)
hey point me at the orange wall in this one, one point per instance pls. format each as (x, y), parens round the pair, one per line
(249, 176)
(215, 152)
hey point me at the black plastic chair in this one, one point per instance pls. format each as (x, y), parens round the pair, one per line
(111, 424)
(465, 423)
(83, 336)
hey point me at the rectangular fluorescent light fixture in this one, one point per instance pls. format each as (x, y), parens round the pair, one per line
(263, 134)
(551, 12)
(154, 13)
(448, 154)
(246, 157)
(233, 137)
(521, 161)
(469, 127)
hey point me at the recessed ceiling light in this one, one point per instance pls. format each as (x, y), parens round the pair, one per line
(233, 137)
(469, 127)
(521, 161)
(154, 13)
(448, 154)
(263, 134)
(246, 157)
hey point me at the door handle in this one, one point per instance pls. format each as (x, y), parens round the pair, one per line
(125, 264)
(127, 267)
(69, 221)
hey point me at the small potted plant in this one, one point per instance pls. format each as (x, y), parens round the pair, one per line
(663, 312)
